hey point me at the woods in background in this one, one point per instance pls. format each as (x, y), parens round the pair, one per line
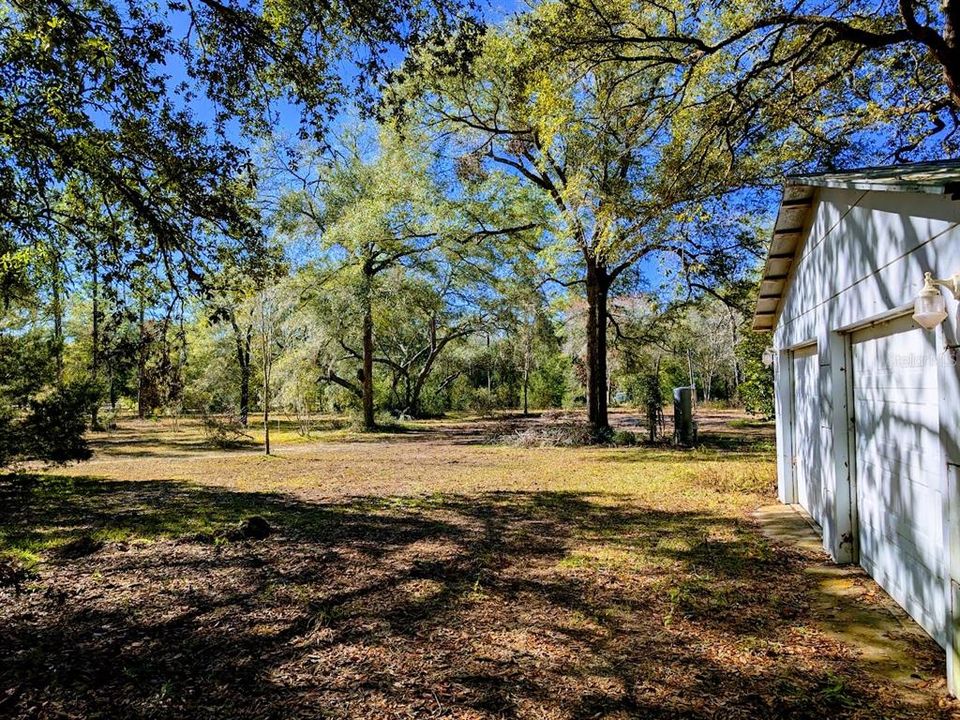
(404, 210)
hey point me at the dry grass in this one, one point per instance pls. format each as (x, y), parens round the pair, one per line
(420, 573)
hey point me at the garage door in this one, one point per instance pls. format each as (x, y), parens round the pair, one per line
(899, 503)
(806, 432)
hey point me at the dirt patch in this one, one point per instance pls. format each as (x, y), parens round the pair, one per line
(253, 528)
(78, 548)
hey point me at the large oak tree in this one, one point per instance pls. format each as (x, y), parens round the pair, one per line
(599, 142)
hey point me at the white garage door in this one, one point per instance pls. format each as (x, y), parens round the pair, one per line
(806, 432)
(899, 503)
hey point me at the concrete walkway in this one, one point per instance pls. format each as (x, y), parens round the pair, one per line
(850, 607)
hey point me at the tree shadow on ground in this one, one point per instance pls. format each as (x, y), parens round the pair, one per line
(499, 604)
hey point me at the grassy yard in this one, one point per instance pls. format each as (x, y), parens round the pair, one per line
(424, 572)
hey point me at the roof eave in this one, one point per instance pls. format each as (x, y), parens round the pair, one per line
(868, 186)
(792, 216)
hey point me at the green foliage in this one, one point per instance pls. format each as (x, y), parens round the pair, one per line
(10, 446)
(89, 125)
(756, 390)
(407, 267)
(40, 418)
(26, 365)
(132, 243)
(54, 425)
(549, 381)
(483, 402)
(623, 438)
(50, 428)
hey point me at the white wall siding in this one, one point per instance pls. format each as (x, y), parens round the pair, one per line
(864, 255)
(861, 262)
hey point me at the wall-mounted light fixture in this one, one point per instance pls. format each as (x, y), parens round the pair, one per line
(767, 356)
(930, 310)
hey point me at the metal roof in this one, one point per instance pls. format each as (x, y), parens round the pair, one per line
(940, 177)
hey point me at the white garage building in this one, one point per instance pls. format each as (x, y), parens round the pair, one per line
(867, 400)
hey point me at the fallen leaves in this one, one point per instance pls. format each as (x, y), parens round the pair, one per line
(522, 583)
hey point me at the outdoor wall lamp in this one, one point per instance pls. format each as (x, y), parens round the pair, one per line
(930, 309)
(767, 357)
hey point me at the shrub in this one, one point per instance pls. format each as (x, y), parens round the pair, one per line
(483, 402)
(549, 382)
(9, 440)
(54, 425)
(623, 437)
(224, 431)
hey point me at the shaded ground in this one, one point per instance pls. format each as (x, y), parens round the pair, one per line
(426, 576)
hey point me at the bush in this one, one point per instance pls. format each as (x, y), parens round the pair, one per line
(58, 422)
(460, 394)
(483, 402)
(54, 425)
(224, 431)
(756, 390)
(623, 437)
(549, 382)
(9, 434)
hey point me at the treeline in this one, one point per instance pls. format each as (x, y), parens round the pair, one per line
(562, 207)
(159, 355)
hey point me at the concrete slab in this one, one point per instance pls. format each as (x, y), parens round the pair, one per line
(850, 607)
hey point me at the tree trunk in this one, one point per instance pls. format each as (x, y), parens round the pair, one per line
(949, 56)
(408, 398)
(266, 422)
(266, 329)
(141, 365)
(414, 403)
(598, 285)
(735, 361)
(417, 387)
(242, 341)
(527, 361)
(245, 393)
(526, 388)
(369, 421)
(112, 385)
(57, 310)
(266, 401)
(436, 347)
(95, 339)
(489, 364)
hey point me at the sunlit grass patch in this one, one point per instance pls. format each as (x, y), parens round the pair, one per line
(752, 423)
(49, 512)
(600, 557)
(743, 476)
(27, 553)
